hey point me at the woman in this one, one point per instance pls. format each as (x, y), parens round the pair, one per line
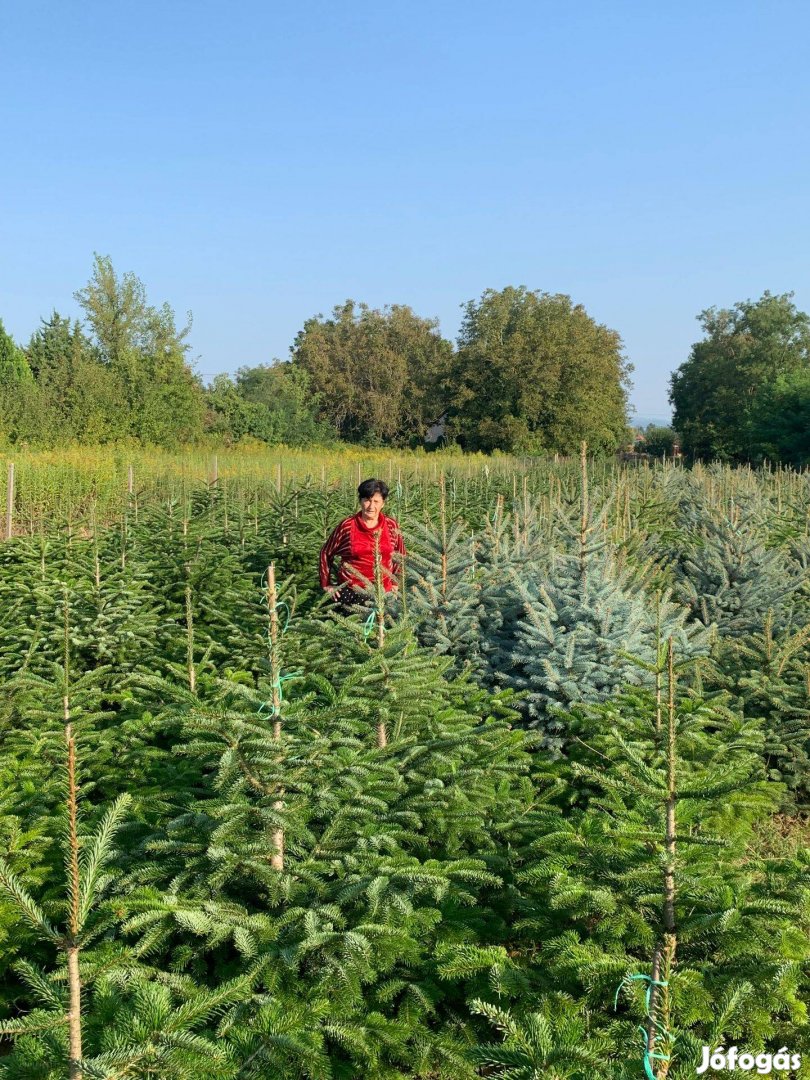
(353, 543)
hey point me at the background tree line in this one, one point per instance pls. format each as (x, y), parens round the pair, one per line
(531, 372)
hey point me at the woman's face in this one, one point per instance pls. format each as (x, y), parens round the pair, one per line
(372, 506)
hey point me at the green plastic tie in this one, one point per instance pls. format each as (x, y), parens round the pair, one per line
(650, 1057)
(279, 604)
(277, 683)
(286, 606)
(660, 1030)
(368, 625)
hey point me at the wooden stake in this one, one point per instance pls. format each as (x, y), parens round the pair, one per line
(10, 500)
(665, 954)
(74, 978)
(96, 563)
(584, 505)
(379, 609)
(443, 520)
(192, 671)
(277, 858)
(71, 946)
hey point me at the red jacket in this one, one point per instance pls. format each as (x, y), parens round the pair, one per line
(353, 542)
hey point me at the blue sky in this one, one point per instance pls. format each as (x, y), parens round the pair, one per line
(259, 163)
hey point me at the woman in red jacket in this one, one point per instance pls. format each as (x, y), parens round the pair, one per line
(353, 543)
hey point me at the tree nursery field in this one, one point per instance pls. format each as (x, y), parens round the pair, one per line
(542, 812)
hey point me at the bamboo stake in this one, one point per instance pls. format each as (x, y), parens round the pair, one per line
(275, 667)
(658, 667)
(402, 590)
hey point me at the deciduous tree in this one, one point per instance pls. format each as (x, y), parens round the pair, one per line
(535, 372)
(377, 371)
(147, 354)
(717, 392)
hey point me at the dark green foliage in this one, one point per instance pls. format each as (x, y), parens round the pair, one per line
(271, 403)
(376, 373)
(20, 402)
(732, 373)
(769, 674)
(342, 856)
(659, 441)
(591, 883)
(80, 395)
(781, 424)
(146, 354)
(535, 373)
(729, 575)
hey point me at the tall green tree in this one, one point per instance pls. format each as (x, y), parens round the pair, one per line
(378, 371)
(781, 425)
(659, 441)
(717, 393)
(535, 372)
(20, 403)
(285, 394)
(13, 364)
(79, 393)
(146, 353)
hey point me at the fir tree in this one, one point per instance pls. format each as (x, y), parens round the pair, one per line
(769, 675)
(443, 591)
(573, 625)
(654, 884)
(730, 576)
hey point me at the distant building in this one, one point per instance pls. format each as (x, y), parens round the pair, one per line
(436, 431)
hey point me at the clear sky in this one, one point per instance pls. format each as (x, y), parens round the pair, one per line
(258, 163)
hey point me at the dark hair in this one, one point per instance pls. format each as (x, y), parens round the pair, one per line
(372, 487)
